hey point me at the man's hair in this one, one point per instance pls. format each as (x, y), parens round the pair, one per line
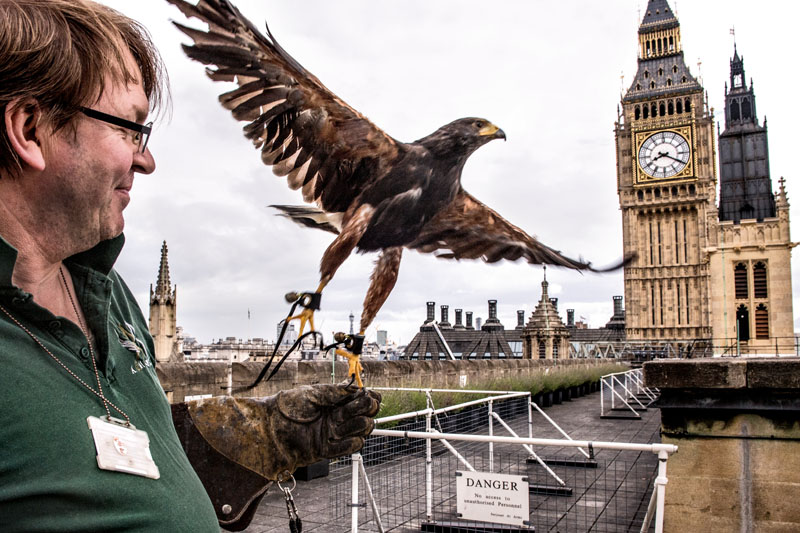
(60, 53)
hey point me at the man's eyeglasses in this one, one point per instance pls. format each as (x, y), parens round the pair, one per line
(143, 130)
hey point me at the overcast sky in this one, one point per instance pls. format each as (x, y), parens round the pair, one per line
(548, 73)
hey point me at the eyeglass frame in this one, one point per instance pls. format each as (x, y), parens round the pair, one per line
(144, 129)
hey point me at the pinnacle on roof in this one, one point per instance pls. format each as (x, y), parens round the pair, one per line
(163, 284)
(658, 13)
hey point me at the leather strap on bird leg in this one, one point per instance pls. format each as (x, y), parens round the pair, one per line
(308, 300)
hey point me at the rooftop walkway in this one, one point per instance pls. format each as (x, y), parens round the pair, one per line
(611, 498)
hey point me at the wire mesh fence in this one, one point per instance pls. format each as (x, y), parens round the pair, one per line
(609, 493)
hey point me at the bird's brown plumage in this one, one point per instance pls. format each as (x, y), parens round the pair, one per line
(383, 194)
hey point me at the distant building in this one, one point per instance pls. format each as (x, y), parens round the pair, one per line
(544, 336)
(229, 349)
(163, 313)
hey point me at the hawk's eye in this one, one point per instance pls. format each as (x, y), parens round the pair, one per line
(479, 124)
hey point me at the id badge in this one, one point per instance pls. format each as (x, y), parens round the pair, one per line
(122, 448)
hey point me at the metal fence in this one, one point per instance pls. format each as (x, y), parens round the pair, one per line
(623, 394)
(405, 477)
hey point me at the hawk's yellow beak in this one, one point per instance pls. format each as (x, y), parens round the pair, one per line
(492, 130)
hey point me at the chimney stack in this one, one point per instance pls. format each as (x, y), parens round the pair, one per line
(469, 320)
(431, 312)
(617, 305)
(458, 324)
(444, 322)
(520, 318)
(570, 318)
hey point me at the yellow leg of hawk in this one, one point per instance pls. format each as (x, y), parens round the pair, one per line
(354, 367)
(306, 316)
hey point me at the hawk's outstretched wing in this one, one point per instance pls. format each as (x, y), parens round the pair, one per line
(325, 147)
(468, 229)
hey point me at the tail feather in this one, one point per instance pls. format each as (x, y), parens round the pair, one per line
(311, 217)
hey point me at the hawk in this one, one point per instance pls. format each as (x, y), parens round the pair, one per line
(375, 193)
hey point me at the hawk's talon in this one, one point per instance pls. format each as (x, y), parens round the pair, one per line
(354, 367)
(307, 315)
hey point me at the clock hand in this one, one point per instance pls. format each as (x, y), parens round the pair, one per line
(673, 158)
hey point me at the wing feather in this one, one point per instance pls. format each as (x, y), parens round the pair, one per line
(288, 109)
(467, 229)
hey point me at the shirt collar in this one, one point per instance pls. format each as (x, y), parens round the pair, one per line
(100, 258)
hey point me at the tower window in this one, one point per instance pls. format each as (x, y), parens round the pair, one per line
(669, 84)
(652, 85)
(734, 110)
(762, 322)
(637, 113)
(743, 323)
(740, 281)
(662, 109)
(679, 106)
(646, 74)
(653, 108)
(646, 112)
(687, 105)
(661, 72)
(672, 47)
(674, 67)
(638, 87)
(746, 108)
(670, 107)
(760, 280)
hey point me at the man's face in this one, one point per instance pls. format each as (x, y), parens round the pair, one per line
(88, 177)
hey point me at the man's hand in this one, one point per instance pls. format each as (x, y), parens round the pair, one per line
(275, 435)
(322, 422)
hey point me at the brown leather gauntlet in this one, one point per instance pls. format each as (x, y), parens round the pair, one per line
(239, 445)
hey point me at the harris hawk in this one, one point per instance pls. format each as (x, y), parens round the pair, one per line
(375, 193)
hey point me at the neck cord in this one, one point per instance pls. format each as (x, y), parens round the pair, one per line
(82, 326)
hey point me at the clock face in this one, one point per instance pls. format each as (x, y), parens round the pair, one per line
(664, 154)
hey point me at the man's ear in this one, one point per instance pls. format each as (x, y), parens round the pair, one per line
(24, 129)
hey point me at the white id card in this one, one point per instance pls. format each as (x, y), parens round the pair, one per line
(122, 448)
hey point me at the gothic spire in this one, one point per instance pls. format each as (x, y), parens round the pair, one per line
(163, 292)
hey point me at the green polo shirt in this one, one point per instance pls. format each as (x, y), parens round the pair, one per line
(49, 478)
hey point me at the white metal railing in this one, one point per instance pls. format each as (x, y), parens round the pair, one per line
(627, 387)
(628, 383)
(655, 508)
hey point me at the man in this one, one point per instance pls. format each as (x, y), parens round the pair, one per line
(87, 441)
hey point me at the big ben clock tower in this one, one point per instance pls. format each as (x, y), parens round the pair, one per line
(666, 182)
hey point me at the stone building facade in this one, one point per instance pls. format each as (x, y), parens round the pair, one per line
(750, 259)
(681, 288)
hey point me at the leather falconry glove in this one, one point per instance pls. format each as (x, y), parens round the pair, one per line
(270, 437)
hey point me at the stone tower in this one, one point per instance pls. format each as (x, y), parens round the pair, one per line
(545, 336)
(745, 189)
(163, 304)
(751, 258)
(666, 183)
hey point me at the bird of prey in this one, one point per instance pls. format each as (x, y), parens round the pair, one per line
(375, 193)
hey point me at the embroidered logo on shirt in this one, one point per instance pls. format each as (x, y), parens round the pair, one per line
(128, 340)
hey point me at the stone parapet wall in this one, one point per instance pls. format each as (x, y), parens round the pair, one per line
(185, 379)
(736, 423)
